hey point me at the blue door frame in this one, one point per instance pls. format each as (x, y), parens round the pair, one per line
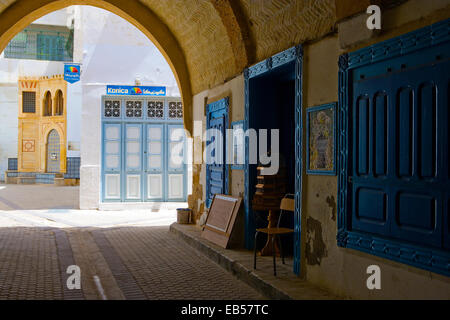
(293, 55)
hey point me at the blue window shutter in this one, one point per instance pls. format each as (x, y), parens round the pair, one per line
(394, 177)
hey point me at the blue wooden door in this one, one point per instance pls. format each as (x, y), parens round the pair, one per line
(141, 144)
(216, 167)
(400, 176)
(176, 164)
(154, 163)
(133, 162)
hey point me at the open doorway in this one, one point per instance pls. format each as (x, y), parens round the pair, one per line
(273, 102)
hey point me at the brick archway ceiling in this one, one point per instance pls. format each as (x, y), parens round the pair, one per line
(219, 38)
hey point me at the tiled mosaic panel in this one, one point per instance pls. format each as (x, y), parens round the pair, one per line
(73, 168)
(39, 177)
(45, 178)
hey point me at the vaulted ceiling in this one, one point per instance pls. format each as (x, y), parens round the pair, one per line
(219, 38)
(206, 42)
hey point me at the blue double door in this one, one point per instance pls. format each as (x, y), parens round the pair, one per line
(143, 162)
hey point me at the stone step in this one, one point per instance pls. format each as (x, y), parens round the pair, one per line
(285, 286)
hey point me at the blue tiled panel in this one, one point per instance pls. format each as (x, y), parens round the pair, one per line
(73, 168)
(45, 178)
(12, 164)
(40, 177)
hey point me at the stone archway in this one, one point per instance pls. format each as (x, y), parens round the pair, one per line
(21, 13)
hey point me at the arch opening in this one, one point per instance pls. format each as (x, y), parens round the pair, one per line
(55, 99)
(47, 104)
(21, 13)
(59, 103)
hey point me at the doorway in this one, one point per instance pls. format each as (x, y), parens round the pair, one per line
(143, 150)
(273, 101)
(53, 152)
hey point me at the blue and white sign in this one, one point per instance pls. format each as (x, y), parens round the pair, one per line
(72, 72)
(136, 90)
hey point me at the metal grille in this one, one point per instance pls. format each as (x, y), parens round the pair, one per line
(133, 109)
(28, 102)
(112, 108)
(156, 109)
(12, 164)
(175, 110)
(39, 43)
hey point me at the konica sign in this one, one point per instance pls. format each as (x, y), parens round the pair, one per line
(136, 90)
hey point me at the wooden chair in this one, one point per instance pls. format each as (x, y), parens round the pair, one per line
(287, 204)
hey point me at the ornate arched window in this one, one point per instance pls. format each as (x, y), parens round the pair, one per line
(48, 104)
(59, 103)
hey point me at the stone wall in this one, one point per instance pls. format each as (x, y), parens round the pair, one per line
(343, 271)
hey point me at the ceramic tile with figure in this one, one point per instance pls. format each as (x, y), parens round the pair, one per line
(321, 139)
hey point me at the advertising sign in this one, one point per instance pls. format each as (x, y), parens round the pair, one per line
(136, 90)
(72, 72)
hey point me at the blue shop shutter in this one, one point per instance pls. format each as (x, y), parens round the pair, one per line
(400, 172)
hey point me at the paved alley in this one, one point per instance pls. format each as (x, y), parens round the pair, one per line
(121, 255)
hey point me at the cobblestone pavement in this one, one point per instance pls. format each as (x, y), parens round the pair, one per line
(116, 263)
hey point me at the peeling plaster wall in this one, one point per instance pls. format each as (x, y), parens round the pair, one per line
(340, 270)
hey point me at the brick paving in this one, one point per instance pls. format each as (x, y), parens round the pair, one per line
(66, 259)
(141, 262)
(29, 266)
(166, 268)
